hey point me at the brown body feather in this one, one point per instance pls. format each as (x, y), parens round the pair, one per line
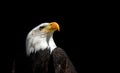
(62, 62)
(45, 62)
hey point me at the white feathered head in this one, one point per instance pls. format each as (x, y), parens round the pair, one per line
(41, 37)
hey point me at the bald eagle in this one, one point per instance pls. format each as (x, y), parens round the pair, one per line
(44, 55)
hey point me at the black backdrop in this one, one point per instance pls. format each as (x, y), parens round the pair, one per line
(80, 34)
(76, 38)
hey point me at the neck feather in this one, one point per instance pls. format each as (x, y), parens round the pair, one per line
(52, 44)
(36, 43)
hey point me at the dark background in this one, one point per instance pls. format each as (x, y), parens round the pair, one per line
(83, 33)
(77, 37)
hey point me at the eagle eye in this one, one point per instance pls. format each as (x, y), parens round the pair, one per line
(40, 28)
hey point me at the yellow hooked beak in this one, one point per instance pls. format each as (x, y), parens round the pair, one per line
(54, 26)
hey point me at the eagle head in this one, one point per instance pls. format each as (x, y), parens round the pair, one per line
(41, 37)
